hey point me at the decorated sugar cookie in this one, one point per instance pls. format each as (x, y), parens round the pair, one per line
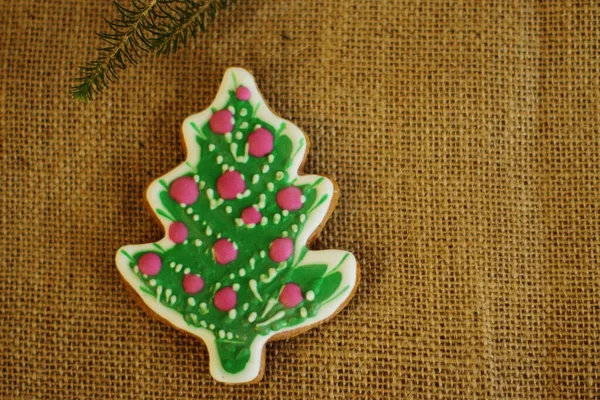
(234, 268)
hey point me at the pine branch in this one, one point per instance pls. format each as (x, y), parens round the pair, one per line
(186, 22)
(157, 25)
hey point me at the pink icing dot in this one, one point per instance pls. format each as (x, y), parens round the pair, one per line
(281, 249)
(251, 215)
(290, 198)
(243, 93)
(221, 122)
(230, 184)
(178, 232)
(225, 299)
(291, 295)
(192, 283)
(184, 190)
(224, 251)
(260, 142)
(150, 264)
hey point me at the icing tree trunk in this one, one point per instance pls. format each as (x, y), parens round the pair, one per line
(233, 268)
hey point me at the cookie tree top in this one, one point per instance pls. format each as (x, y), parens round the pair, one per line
(234, 268)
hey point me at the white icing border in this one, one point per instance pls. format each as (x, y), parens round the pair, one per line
(331, 257)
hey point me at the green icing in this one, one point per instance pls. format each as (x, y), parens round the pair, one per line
(208, 219)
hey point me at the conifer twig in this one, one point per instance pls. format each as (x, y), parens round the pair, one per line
(147, 26)
(175, 31)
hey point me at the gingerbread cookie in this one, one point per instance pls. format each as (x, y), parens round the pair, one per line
(234, 268)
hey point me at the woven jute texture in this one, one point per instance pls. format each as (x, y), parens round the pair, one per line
(464, 137)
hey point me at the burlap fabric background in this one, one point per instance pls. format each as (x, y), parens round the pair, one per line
(464, 137)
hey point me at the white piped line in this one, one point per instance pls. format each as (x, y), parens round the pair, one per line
(270, 304)
(254, 288)
(274, 318)
(272, 275)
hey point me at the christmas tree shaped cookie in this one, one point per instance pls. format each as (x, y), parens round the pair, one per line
(234, 268)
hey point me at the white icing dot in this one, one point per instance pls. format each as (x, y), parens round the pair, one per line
(202, 184)
(236, 286)
(191, 301)
(203, 308)
(228, 209)
(262, 198)
(208, 231)
(231, 275)
(168, 293)
(217, 285)
(265, 169)
(252, 317)
(252, 262)
(271, 158)
(257, 126)
(183, 205)
(239, 135)
(302, 198)
(152, 282)
(231, 109)
(228, 137)
(136, 269)
(196, 217)
(239, 221)
(279, 175)
(285, 213)
(224, 167)
(270, 186)
(189, 210)
(284, 234)
(196, 178)
(185, 241)
(198, 242)
(302, 217)
(255, 178)
(244, 124)
(247, 193)
(158, 291)
(211, 147)
(242, 272)
(276, 218)
(186, 271)
(264, 220)
(243, 113)
(303, 312)
(231, 168)
(219, 159)
(212, 326)
(294, 228)
(245, 306)
(203, 323)
(229, 335)
(172, 264)
(262, 254)
(232, 313)
(310, 295)
(178, 267)
(222, 334)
